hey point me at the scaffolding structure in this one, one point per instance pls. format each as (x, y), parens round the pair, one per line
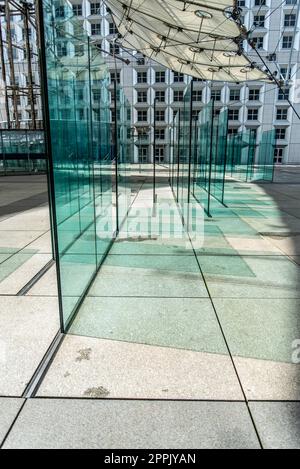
(20, 82)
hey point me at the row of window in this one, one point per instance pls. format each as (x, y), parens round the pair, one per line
(286, 42)
(289, 20)
(160, 77)
(242, 3)
(233, 114)
(234, 95)
(95, 8)
(144, 153)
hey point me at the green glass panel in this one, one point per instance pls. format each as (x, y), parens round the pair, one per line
(22, 150)
(219, 148)
(263, 168)
(79, 108)
(202, 157)
(124, 153)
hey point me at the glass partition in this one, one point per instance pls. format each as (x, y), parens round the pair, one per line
(219, 149)
(202, 166)
(82, 167)
(124, 152)
(22, 151)
(263, 167)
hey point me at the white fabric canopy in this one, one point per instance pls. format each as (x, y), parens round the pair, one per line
(199, 38)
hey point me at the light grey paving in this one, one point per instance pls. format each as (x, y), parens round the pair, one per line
(9, 408)
(186, 323)
(269, 380)
(132, 424)
(278, 424)
(21, 268)
(122, 281)
(260, 328)
(90, 367)
(27, 327)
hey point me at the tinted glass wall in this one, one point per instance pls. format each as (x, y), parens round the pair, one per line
(81, 153)
(22, 151)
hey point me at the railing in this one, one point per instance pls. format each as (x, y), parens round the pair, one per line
(22, 151)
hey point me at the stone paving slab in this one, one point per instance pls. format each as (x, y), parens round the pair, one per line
(278, 424)
(54, 423)
(186, 323)
(9, 408)
(90, 367)
(27, 327)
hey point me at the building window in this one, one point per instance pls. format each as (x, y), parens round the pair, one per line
(160, 77)
(95, 29)
(281, 114)
(160, 134)
(95, 8)
(143, 154)
(197, 95)
(287, 42)
(241, 3)
(280, 133)
(259, 21)
(178, 77)
(96, 95)
(115, 76)
(77, 10)
(61, 50)
(278, 155)
(232, 131)
(233, 114)
(216, 95)
(291, 2)
(160, 96)
(114, 49)
(259, 2)
(195, 114)
(142, 116)
(142, 77)
(160, 115)
(60, 12)
(159, 154)
(283, 94)
(112, 28)
(289, 20)
(234, 95)
(142, 96)
(254, 94)
(178, 96)
(285, 72)
(258, 42)
(79, 50)
(252, 114)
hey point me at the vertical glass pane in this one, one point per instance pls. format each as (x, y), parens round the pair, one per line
(77, 81)
(203, 157)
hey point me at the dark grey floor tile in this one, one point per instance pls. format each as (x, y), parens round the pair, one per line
(54, 423)
(278, 424)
